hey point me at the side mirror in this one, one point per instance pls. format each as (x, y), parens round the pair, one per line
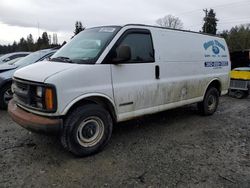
(123, 53)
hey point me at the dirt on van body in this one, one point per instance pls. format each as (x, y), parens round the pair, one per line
(176, 148)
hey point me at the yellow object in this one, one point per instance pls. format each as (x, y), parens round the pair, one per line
(240, 75)
(49, 99)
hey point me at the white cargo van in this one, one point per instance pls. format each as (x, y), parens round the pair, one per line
(112, 74)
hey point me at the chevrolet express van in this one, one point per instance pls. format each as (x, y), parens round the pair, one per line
(115, 73)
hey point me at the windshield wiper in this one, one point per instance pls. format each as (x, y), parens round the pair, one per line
(62, 59)
(85, 61)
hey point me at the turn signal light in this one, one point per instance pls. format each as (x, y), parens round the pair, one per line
(49, 99)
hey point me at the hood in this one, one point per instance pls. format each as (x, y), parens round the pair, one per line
(41, 71)
(6, 66)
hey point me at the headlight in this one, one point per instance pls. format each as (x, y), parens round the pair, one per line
(39, 91)
(36, 96)
(45, 98)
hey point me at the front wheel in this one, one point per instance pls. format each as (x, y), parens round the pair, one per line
(210, 102)
(87, 130)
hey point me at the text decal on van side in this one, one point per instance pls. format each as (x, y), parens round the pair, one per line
(216, 64)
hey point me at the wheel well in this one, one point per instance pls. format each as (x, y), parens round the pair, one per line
(216, 84)
(105, 103)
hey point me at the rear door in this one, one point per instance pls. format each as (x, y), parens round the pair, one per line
(134, 81)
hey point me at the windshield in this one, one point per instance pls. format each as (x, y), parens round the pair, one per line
(87, 46)
(3, 58)
(11, 62)
(32, 58)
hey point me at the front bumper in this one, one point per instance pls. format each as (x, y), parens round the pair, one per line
(33, 122)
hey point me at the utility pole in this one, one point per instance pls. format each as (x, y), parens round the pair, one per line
(206, 12)
(38, 30)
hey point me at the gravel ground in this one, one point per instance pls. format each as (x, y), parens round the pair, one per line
(176, 148)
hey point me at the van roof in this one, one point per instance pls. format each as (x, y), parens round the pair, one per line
(144, 25)
(159, 27)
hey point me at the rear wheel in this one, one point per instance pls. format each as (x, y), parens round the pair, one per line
(87, 130)
(210, 102)
(239, 94)
(5, 96)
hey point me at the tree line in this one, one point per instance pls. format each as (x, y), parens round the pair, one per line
(43, 42)
(237, 38)
(28, 44)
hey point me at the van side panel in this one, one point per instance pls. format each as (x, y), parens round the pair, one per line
(186, 66)
(188, 63)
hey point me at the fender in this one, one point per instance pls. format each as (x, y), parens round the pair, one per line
(87, 95)
(215, 79)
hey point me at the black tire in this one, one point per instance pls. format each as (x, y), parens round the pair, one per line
(239, 94)
(82, 123)
(210, 102)
(3, 100)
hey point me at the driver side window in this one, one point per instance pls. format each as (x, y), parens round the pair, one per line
(141, 47)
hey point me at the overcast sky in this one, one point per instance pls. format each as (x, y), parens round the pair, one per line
(18, 18)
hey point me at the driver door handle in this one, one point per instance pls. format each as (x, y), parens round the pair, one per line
(157, 72)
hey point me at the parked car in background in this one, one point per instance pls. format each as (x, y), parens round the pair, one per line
(240, 82)
(8, 57)
(7, 70)
(13, 61)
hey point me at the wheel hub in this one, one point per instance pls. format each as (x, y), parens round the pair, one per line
(90, 131)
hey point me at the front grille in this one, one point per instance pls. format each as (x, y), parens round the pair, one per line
(25, 95)
(21, 92)
(21, 85)
(238, 84)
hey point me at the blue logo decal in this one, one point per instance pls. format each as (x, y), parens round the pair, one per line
(215, 45)
(216, 50)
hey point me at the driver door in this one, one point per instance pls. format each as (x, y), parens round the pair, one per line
(134, 81)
